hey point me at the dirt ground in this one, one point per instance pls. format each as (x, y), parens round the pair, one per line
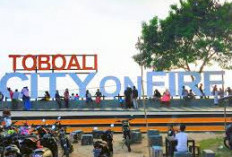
(138, 150)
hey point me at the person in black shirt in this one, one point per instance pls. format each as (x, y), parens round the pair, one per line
(157, 95)
(171, 131)
(134, 97)
(88, 97)
(201, 90)
(108, 137)
(128, 97)
(58, 99)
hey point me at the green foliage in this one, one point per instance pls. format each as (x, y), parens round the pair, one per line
(214, 145)
(199, 32)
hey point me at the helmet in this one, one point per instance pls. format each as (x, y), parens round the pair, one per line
(1, 128)
(11, 149)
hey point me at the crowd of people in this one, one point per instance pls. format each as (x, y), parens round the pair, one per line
(66, 97)
(188, 95)
(128, 100)
(16, 95)
(131, 96)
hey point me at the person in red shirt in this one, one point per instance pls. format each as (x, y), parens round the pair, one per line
(11, 95)
(11, 92)
(166, 98)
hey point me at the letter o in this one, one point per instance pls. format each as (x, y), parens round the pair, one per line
(118, 86)
(24, 63)
(54, 62)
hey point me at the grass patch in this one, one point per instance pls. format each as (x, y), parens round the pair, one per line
(216, 145)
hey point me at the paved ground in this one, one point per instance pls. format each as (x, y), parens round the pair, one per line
(138, 150)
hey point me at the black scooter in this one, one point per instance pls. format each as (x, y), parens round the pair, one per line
(65, 143)
(47, 140)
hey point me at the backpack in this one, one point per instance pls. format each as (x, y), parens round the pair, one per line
(125, 125)
(104, 136)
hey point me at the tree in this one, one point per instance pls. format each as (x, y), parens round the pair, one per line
(198, 32)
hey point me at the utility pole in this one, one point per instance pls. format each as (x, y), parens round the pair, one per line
(144, 104)
(138, 46)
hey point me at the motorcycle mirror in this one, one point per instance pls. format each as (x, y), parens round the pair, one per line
(44, 120)
(95, 128)
(59, 117)
(112, 125)
(53, 127)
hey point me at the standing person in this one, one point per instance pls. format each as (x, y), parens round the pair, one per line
(229, 91)
(88, 97)
(201, 90)
(215, 94)
(98, 96)
(15, 99)
(26, 98)
(221, 93)
(182, 140)
(58, 99)
(134, 97)
(66, 98)
(1, 97)
(184, 93)
(128, 97)
(10, 92)
(11, 95)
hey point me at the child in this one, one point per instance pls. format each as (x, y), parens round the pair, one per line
(77, 97)
(121, 102)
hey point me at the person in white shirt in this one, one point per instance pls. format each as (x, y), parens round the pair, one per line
(72, 97)
(182, 139)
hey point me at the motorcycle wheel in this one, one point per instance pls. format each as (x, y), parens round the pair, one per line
(227, 144)
(2, 154)
(66, 153)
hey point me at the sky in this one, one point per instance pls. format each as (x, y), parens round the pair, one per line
(108, 28)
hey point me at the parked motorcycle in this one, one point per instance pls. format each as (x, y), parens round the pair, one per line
(65, 143)
(228, 138)
(9, 147)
